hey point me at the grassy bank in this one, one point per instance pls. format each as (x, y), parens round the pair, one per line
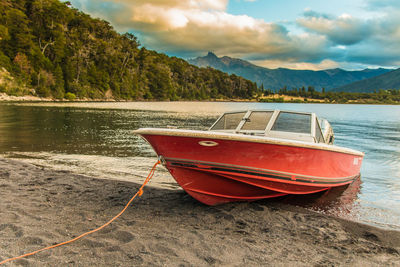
(336, 98)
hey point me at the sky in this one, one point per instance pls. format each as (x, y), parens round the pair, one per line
(296, 34)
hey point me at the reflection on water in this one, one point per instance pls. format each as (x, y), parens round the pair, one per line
(84, 131)
(339, 201)
(96, 139)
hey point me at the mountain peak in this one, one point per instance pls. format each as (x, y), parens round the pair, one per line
(211, 60)
(211, 55)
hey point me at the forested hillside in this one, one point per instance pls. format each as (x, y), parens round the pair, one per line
(390, 80)
(60, 52)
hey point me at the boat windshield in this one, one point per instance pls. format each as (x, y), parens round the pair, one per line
(293, 122)
(257, 121)
(291, 125)
(229, 121)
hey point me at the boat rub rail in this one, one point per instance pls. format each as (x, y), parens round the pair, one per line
(275, 175)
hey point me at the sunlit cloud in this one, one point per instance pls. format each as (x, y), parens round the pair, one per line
(274, 64)
(189, 28)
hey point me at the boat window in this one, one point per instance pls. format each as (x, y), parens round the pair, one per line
(258, 120)
(293, 122)
(318, 133)
(229, 121)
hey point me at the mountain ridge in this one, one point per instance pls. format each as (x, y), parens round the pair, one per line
(386, 81)
(278, 78)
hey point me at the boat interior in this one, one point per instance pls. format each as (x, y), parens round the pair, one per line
(301, 126)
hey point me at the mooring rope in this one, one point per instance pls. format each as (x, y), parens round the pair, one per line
(138, 193)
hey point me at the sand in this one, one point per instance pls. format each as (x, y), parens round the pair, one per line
(40, 207)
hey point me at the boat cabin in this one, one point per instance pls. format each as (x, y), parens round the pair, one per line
(301, 126)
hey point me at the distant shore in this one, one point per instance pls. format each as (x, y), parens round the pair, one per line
(273, 98)
(41, 207)
(4, 98)
(30, 98)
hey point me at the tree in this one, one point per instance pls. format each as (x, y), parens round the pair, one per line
(24, 68)
(20, 34)
(4, 33)
(57, 50)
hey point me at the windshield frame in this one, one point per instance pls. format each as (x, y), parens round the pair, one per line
(222, 116)
(309, 137)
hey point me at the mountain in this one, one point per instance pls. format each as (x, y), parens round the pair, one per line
(389, 80)
(278, 78)
(50, 49)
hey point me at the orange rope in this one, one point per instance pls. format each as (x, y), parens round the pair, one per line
(139, 192)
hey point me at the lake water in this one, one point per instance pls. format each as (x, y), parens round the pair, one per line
(96, 139)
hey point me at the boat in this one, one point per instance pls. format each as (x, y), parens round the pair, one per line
(255, 154)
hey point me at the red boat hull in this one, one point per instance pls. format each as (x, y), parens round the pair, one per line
(216, 171)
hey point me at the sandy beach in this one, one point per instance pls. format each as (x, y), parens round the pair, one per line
(41, 207)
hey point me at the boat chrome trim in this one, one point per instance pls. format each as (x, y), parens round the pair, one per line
(277, 194)
(272, 174)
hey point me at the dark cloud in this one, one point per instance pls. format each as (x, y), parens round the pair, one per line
(373, 41)
(313, 14)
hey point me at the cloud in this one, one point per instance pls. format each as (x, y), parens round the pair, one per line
(324, 64)
(342, 30)
(190, 28)
(193, 27)
(373, 41)
(383, 4)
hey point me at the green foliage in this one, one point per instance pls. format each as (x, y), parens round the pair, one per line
(4, 33)
(389, 80)
(390, 96)
(5, 61)
(272, 100)
(16, 91)
(58, 50)
(70, 96)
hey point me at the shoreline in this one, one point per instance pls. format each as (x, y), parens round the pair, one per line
(168, 227)
(4, 98)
